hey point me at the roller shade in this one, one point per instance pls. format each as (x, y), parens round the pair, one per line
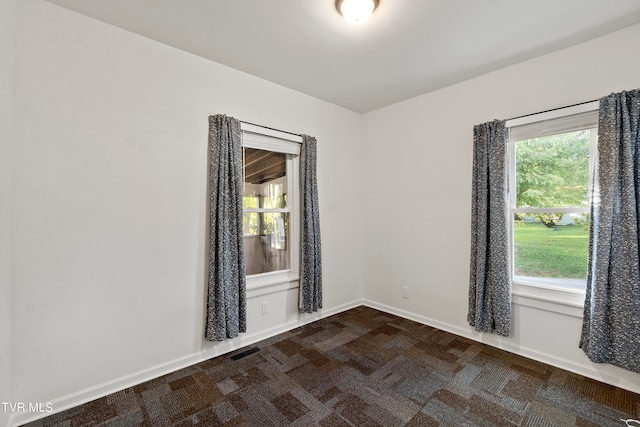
(566, 124)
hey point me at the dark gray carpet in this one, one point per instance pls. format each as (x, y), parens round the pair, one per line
(363, 367)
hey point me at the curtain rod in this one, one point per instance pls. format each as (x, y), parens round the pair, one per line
(552, 109)
(267, 127)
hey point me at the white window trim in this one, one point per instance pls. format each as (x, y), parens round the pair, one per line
(266, 139)
(545, 297)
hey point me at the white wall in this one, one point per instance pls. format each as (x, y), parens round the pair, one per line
(419, 156)
(7, 20)
(110, 200)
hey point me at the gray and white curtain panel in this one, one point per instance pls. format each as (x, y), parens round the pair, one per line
(611, 322)
(226, 301)
(311, 257)
(489, 282)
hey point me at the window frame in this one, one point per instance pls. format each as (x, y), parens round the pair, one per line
(270, 140)
(539, 294)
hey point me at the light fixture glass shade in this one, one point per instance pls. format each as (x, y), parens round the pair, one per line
(356, 11)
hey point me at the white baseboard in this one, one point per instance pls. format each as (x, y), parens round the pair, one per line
(550, 359)
(92, 393)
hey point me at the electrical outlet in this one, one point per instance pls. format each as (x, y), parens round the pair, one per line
(265, 308)
(405, 292)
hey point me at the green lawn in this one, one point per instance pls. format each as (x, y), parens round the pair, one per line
(545, 252)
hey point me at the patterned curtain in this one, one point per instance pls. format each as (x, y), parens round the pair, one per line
(611, 323)
(226, 302)
(489, 284)
(311, 261)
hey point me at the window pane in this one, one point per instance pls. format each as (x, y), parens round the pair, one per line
(552, 246)
(268, 248)
(265, 183)
(553, 171)
(250, 225)
(250, 201)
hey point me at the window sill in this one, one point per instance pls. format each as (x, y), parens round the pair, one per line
(568, 301)
(267, 283)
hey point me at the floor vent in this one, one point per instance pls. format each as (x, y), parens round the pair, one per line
(245, 353)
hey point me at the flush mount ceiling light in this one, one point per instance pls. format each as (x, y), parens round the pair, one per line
(356, 11)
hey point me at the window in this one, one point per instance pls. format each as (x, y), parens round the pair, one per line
(270, 169)
(550, 174)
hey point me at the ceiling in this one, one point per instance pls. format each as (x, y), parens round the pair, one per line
(407, 48)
